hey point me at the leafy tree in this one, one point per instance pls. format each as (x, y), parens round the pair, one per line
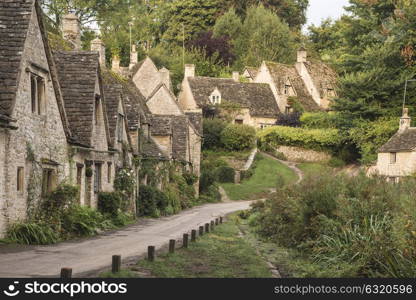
(229, 25)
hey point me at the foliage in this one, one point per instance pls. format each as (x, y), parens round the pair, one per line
(82, 221)
(125, 185)
(237, 137)
(60, 199)
(225, 174)
(318, 120)
(151, 201)
(315, 139)
(110, 202)
(212, 129)
(348, 226)
(229, 24)
(290, 119)
(32, 234)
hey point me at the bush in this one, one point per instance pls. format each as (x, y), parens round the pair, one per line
(291, 119)
(225, 174)
(208, 178)
(151, 201)
(32, 234)
(81, 221)
(110, 202)
(212, 129)
(236, 137)
(212, 195)
(60, 199)
(318, 120)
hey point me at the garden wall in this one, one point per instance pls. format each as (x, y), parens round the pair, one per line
(297, 154)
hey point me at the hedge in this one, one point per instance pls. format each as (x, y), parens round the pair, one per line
(314, 139)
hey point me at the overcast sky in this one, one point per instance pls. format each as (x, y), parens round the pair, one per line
(322, 9)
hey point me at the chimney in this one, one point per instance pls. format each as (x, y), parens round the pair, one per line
(189, 71)
(405, 120)
(134, 58)
(236, 76)
(115, 64)
(302, 55)
(98, 46)
(165, 76)
(71, 30)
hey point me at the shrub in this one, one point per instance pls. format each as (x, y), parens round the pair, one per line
(32, 234)
(291, 119)
(212, 133)
(190, 178)
(318, 120)
(151, 201)
(110, 202)
(212, 195)
(225, 174)
(208, 178)
(81, 221)
(236, 137)
(61, 198)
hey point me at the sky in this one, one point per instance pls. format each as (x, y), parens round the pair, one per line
(322, 9)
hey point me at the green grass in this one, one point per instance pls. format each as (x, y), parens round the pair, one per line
(222, 253)
(121, 274)
(265, 177)
(313, 168)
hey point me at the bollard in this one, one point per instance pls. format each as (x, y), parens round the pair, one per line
(212, 225)
(66, 273)
(193, 235)
(207, 227)
(216, 221)
(151, 253)
(220, 220)
(201, 230)
(172, 246)
(116, 264)
(185, 240)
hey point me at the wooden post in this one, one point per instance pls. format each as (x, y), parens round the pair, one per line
(116, 264)
(151, 253)
(212, 225)
(216, 221)
(172, 246)
(207, 227)
(193, 235)
(66, 273)
(201, 230)
(220, 220)
(185, 240)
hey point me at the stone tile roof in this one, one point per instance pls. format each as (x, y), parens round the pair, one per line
(402, 141)
(280, 73)
(77, 73)
(322, 76)
(150, 149)
(112, 94)
(196, 120)
(252, 71)
(14, 23)
(179, 137)
(161, 125)
(136, 67)
(134, 102)
(257, 97)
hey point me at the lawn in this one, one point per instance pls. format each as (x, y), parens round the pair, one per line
(222, 253)
(266, 175)
(314, 168)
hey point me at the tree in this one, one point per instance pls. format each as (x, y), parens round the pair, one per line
(229, 25)
(264, 37)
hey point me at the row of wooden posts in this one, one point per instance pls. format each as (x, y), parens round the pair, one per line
(151, 250)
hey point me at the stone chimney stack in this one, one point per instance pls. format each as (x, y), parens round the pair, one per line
(134, 58)
(98, 46)
(71, 30)
(302, 55)
(236, 76)
(405, 120)
(189, 71)
(115, 64)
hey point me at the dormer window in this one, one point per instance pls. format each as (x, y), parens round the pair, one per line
(287, 89)
(215, 97)
(37, 94)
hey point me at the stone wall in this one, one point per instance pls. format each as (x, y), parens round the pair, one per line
(195, 143)
(297, 154)
(405, 164)
(147, 78)
(2, 184)
(163, 103)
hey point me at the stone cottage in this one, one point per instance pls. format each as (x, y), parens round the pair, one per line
(244, 103)
(309, 82)
(34, 127)
(397, 158)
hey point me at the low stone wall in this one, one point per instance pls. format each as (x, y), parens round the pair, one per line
(297, 154)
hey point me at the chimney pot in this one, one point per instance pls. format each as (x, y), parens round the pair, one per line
(236, 76)
(134, 58)
(189, 71)
(405, 120)
(115, 64)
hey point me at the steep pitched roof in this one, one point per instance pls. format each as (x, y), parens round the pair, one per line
(78, 72)
(150, 149)
(280, 73)
(252, 71)
(137, 67)
(196, 120)
(135, 103)
(179, 137)
(402, 141)
(322, 76)
(112, 94)
(14, 23)
(161, 125)
(257, 97)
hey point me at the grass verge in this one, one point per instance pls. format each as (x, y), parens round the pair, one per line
(265, 177)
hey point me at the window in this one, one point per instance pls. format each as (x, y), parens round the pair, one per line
(97, 108)
(97, 178)
(20, 179)
(48, 181)
(37, 94)
(109, 172)
(239, 122)
(393, 158)
(120, 124)
(287, 89)
(79, 173)
(287, 110)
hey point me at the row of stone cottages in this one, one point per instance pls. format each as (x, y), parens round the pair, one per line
(65, 117)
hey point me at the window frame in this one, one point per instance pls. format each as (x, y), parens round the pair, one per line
(20, 179)
(38, 97)
(97, 177)
(393, 158)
